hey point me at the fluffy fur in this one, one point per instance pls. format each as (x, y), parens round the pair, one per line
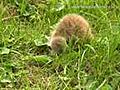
(70, 25)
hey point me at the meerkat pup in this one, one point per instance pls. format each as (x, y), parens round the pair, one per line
(71, 25)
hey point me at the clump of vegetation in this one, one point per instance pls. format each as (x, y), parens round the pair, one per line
(26, 61)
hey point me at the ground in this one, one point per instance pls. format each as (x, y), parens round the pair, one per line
(26, 62)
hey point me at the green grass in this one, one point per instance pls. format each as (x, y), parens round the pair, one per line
(26, 63)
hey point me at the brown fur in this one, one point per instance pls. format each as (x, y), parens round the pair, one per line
(70, 25)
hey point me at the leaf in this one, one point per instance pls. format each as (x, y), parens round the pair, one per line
(41, 41)
(5, 50)
(40, 59)
(92, 48)
(58, 7)
(92, 85)
(38, 42)
(61, 7)
(106, 87)
(5, 81)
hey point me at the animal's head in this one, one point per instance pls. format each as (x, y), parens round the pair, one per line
(58, 44)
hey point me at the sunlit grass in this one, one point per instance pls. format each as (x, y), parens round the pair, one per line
(27, 63)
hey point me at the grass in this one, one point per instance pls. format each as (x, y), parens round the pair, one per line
(26, 63)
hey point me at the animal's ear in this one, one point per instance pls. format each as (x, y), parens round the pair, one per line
(58, 44)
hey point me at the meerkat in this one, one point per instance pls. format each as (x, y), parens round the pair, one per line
(71, 25)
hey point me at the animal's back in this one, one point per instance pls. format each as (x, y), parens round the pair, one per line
(72, 24)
